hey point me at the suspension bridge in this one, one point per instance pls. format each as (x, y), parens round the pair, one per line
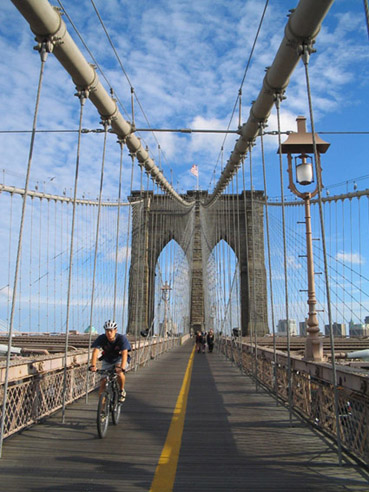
(280, 277)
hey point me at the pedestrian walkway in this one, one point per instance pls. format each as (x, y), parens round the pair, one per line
(234, 439)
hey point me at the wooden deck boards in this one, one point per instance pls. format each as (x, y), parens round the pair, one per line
(235, 439)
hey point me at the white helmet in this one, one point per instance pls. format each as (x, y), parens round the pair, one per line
(110, 325)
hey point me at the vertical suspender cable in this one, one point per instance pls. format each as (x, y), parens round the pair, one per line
(139, 288)
(30, 270)
(306, 50)
(336, 253)
(55, 254)
(246, 238)
(106, 123)
(121, 144)
(351, 271)
(269, 262)
(234, 235)
(47, 265)
(127, 250)
(343, 251)
(359, 219)
(9, 255)
(82, 97)
(229, 300)
(278, 98)
(39, 267)
(253, 271)
(239, 269)
(44, 49)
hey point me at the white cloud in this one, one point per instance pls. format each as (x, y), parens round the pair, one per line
(354, 258)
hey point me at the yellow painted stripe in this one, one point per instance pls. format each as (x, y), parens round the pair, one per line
(166, 469)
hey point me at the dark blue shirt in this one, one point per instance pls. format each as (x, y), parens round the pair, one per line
(112, 351)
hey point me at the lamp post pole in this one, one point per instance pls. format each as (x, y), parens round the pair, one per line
(301, 143)
(314, 345)
(165, 296)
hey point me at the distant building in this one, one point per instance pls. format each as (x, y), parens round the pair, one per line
(366, 320)
(359, 330)
(339, 330)
(303, 327)
(282, 327)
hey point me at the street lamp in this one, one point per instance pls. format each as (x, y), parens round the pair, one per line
(301, 143)
(165, 290)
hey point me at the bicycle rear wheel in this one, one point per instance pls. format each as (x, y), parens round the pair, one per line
(115, 408)
(103, 414)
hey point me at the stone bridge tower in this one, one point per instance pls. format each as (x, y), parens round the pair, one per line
(157, 219)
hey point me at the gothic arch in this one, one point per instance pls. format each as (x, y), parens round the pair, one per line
(157, 220)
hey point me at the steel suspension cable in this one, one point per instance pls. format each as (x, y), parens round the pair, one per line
(44, 49)
(239, 268)
(9, 256)
(121, 145)
(47, 265)
(245, 73)
(359, 220)
(305, 54)
(82, 95)
(246, 225)
(30, 270)
(350, 248)
(130, 211)
(39, 268)
(106, 124)
(262, 125)
(278, 98)
(139, 291)
(254, 320)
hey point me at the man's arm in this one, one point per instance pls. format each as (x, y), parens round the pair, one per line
(95, 353)
(124, 358)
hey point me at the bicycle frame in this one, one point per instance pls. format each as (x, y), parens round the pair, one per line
(108, 402)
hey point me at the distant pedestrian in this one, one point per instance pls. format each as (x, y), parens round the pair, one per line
(203, 342)
(198, 342)
(210, 340)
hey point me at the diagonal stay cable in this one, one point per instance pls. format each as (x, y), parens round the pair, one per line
(122, 67)
(244, 76)
(92, 56)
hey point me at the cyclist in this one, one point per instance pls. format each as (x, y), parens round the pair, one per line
(115, 348)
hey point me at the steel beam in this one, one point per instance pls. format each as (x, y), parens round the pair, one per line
(302, 27)
(47, 25)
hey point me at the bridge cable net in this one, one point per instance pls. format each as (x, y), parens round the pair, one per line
(288, 303)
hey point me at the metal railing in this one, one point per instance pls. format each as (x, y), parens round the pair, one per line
(312, 391)
(35, 388)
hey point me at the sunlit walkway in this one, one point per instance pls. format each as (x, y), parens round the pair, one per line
(234, 439)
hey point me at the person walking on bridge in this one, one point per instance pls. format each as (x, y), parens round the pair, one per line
(210, 340)
(115, 348)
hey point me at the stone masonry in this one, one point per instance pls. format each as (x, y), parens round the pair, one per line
(157, 219)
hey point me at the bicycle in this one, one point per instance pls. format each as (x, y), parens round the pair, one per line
(108, 402)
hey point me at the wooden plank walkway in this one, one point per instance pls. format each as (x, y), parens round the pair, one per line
(235, 439)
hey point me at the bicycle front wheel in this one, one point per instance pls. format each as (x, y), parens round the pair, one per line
(103, 414)
(115, 408)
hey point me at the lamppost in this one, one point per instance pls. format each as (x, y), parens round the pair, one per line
(165, 290)
(301, 143)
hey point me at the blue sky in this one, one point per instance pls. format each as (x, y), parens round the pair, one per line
(185, 61)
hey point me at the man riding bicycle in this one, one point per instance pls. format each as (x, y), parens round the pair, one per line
(115, 348)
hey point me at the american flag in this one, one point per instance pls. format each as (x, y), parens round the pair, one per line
(195, 170)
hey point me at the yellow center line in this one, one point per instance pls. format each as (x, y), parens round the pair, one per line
(166, 469)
